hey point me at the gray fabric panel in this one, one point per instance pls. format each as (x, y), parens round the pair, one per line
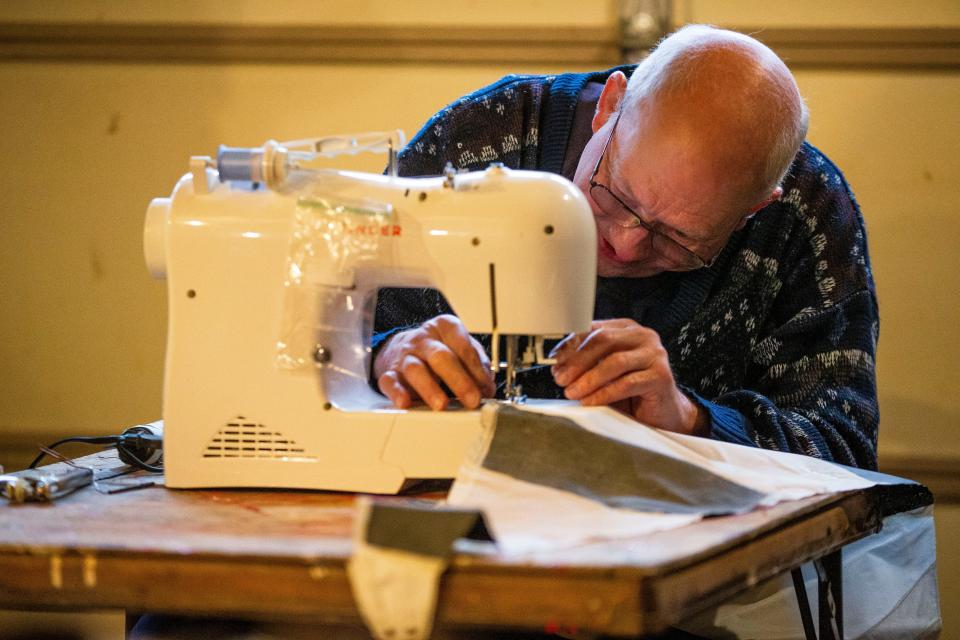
(421, 528)
(556, 452)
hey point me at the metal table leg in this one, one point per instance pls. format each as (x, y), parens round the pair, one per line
(830, 598)
(809, 631)
(830, 587)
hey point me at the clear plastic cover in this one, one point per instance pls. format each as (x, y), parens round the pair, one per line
(327, 313)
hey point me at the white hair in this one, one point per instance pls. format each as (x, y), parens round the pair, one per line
(751, 81)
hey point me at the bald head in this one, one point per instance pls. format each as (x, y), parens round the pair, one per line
(723, 98)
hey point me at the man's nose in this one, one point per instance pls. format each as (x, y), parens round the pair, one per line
(629, 243)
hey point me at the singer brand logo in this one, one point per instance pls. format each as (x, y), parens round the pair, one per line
(375, 230)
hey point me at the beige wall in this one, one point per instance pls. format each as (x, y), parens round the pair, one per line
(420, 13)
(895, 135)
(821, 13)
(86, 145)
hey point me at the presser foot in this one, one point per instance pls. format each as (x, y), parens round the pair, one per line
(518, 361)
(515, 395)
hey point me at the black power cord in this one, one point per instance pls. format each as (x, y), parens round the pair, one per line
(139, 446)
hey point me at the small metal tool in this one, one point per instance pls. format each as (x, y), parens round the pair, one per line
(39, 485)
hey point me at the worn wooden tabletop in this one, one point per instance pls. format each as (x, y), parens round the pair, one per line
(262, 553)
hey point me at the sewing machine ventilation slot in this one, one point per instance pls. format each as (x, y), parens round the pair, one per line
(242, 438)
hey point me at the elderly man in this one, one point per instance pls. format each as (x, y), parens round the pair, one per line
(735, 297)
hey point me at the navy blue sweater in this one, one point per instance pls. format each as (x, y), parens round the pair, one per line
(776, 340)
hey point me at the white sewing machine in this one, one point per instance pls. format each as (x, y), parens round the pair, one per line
(273, 272)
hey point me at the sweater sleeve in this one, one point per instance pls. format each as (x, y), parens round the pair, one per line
(819, 401)
(810, 378)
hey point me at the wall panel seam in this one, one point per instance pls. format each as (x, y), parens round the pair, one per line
(849, 47)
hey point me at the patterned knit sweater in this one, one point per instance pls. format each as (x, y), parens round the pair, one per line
(776, 340)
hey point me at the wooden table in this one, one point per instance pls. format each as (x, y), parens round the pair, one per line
(257, 553)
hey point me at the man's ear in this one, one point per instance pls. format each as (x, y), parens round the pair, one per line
(760, 205)
(610, 97)
(773, 197)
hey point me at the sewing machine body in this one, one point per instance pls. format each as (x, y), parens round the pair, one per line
(513, 251)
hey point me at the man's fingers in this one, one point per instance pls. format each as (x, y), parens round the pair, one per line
(604, 340)
(391, 386)
(632, 385)
(479, 368)
(615, 323)
(419, 377)
(449, 368)
(471, 356)
(568, 345)
(421, 361)
(610, 368)
(596, 346)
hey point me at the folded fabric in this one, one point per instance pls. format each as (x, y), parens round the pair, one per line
(553, 474)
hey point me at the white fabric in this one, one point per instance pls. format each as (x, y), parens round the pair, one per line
(526, 518)
(889, 591)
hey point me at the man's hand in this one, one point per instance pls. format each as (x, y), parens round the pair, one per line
(623, 364)
(413, 364)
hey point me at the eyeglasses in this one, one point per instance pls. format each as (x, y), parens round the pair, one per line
(682, 258)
